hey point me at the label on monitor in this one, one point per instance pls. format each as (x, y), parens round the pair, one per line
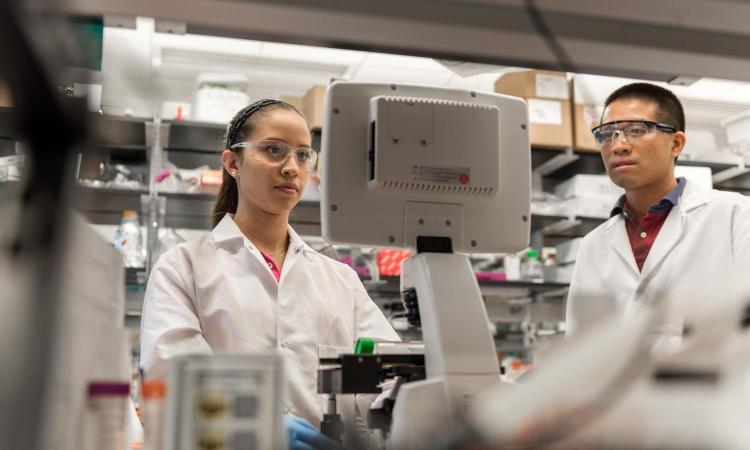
(442, 175)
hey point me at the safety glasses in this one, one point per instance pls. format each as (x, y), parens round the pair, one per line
(631, 130)
(277, 152)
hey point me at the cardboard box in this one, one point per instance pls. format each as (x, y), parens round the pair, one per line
(294, 101)
(6, 101)
(312, 106)
(585, 117)
(550, 124)
(535, 83)
(547, 94)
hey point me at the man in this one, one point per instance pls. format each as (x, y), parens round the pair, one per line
(666, 237)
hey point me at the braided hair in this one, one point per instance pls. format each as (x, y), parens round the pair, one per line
(239, 129)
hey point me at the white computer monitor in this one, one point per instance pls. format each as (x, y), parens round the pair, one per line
(402, 161)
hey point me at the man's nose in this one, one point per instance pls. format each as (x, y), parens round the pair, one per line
(619, 142)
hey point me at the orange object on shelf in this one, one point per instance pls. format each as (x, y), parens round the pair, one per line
(389, 261)
(153, 389)
(211, 178)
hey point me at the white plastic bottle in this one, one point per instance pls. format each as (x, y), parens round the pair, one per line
(129, 240)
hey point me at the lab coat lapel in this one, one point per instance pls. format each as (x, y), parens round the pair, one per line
(674, 227)
(296, 250)
(618, 238)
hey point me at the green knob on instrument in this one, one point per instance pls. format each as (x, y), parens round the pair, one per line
(364, 346)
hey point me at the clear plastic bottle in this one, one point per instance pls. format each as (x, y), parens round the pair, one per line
(532, 267)
(129, 240)
(154, 392)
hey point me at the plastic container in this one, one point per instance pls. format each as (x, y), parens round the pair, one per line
(154, 393)
(533, 269)
(218, 96)
(128, 239)
(106, 411)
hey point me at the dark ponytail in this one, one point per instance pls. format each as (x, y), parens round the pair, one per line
(239, 128)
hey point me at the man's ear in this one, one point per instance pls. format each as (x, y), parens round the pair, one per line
(678, 143)
(229, 160)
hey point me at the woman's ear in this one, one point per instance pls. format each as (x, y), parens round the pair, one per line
(229, 160)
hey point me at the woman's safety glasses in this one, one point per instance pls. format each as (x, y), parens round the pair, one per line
(606, 134)
(277, 152)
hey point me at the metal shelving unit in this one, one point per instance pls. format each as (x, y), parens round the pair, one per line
(557, 164)
(194, 143)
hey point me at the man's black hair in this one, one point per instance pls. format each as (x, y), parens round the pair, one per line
(670, 109)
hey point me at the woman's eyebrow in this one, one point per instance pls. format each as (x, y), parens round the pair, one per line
(285, 142)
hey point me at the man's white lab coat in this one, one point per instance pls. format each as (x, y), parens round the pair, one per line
(217, 293)
(702, 246)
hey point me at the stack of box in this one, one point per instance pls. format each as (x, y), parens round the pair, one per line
(312, 106)
(588, 196)
(548, 97)
(294, 101)
(587, 113)
(585, 117)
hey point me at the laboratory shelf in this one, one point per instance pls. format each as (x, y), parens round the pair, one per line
(192, 136)
(561, 164)
(122, 138)
(739, 183)
(182, 210)
(135, 276)
(105, 206)
(572, 227)
(191, 143)
(564, 163)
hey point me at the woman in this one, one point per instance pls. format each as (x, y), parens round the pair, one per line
(252, 284)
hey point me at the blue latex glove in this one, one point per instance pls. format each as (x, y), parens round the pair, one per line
(304, 436)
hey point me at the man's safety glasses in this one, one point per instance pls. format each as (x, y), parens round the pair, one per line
(277, 152)
(632, 130)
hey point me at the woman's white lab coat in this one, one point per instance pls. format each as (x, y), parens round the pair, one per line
(217, 293)
(698, 253)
